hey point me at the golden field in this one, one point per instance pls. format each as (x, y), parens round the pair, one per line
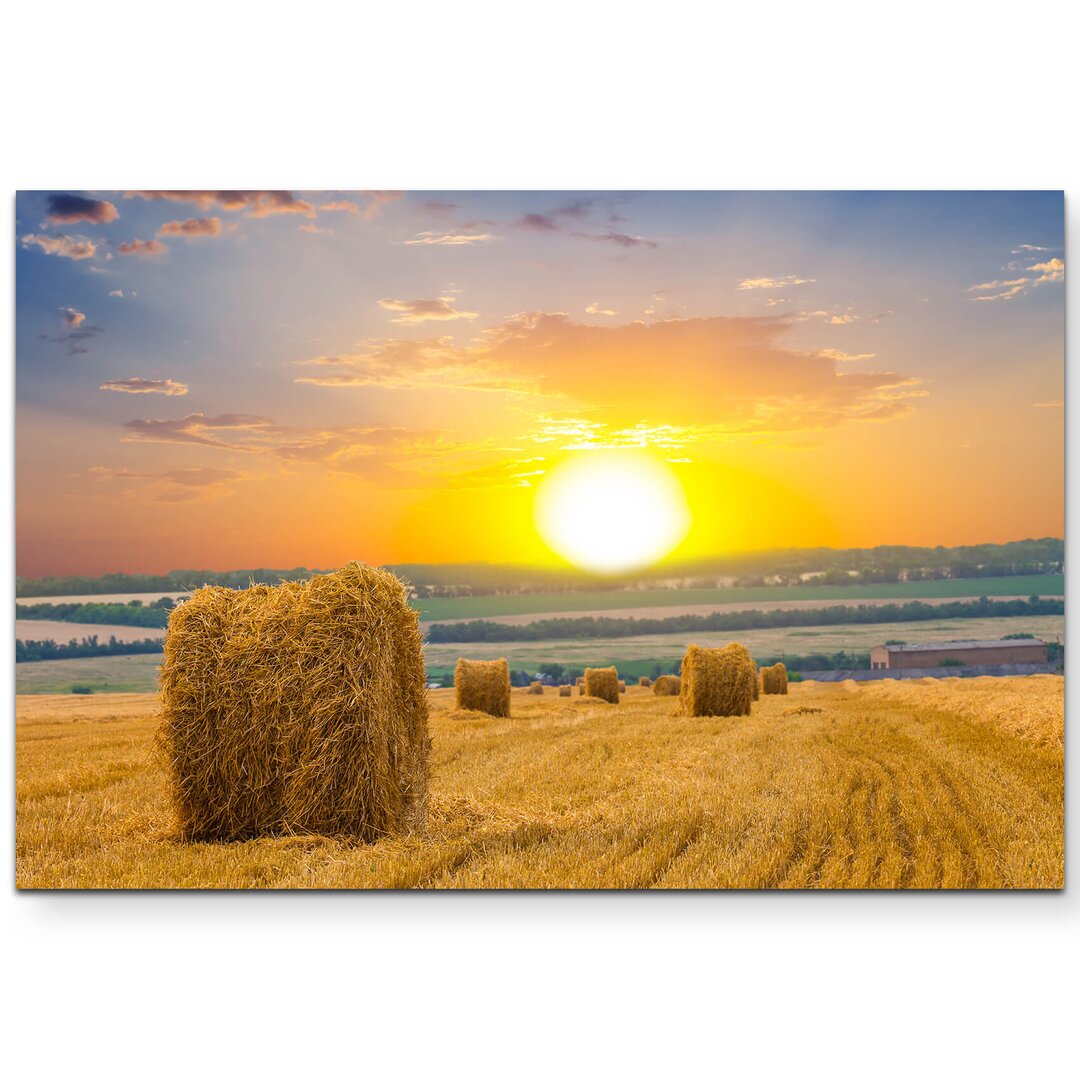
(944, 783)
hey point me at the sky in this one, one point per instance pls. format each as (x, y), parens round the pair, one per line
(226, 379)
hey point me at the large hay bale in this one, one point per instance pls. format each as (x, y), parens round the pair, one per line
(774, 679)
(644, 681)
(536, 688)
(296, 708)
(483, 685)
(602, 683)
(565, 691)
(717, 682)
(667, 686)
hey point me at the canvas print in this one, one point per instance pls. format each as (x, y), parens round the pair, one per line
(539, 539)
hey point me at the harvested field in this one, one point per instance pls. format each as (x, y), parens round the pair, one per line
(937, 784)
(63, 632)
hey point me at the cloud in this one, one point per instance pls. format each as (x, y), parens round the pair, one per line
(174, 485)
(315, 230)
(417, 311)
(118, 293)
(1048, 404)
(254, 204)
(1023, 248)
(377, 200)
(774, 283)
(834, 318)
(621, 239)
(1008, 289)
(340, 206)
(146, 248)
(394, 456)
(70, 209)
(62, 245)
(718, 376)
(1051, 270)
(203, 226)
(197, 429)
(431, 363)
(136, 385)
(451, 239)
(595, 309)
(538, 223)
(843, 357)
(78, 337)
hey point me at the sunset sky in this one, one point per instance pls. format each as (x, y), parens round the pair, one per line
(237, 379)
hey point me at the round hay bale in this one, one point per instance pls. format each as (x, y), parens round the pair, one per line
(644, 681)
(667, 686)
(483, 685)
(774, 679)
(602, 683)
(717, 682)
(296, 708)
(536, 688)
(565, 691)
(622, 687)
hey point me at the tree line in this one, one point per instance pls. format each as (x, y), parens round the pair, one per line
(30, 651)
(780, 566)
(722, 621)
(155, 615)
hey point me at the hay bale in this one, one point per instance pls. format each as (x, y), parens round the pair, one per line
(296, 708)
(536, 688)
(565, 691)
(622, 687)
(717, 682)
(644, 681)
(602, 683)
(667, 686)
(774, 679)
(483, 685)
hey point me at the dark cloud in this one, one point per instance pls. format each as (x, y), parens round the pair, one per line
(69, 209)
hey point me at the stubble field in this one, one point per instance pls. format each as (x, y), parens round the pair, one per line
(923, 784)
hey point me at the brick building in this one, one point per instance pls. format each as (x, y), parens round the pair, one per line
(967, 653)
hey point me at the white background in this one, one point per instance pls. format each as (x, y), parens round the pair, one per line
(558, 95)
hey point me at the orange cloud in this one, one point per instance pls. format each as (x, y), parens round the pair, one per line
(255, 204)
(774, 283)
(417, 311)
(174, 485)
(721, 376)
(204, 226)
(73, 318)
(147, 248)
(136, 385)
(61, 245)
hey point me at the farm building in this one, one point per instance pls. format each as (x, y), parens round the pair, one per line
(966, 653)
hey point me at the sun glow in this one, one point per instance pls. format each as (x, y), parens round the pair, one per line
(611, 511)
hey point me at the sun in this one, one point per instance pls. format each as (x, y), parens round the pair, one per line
(612, 511)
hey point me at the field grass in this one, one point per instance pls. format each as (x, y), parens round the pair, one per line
(769, 642)
(105, 674)
(479, 607)
(936, 784)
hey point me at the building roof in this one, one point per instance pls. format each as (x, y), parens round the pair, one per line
(937, 646)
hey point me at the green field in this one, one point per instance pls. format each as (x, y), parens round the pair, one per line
(479, 607)
(634, 656)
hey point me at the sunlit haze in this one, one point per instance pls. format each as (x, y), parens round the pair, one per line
(221, 379)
